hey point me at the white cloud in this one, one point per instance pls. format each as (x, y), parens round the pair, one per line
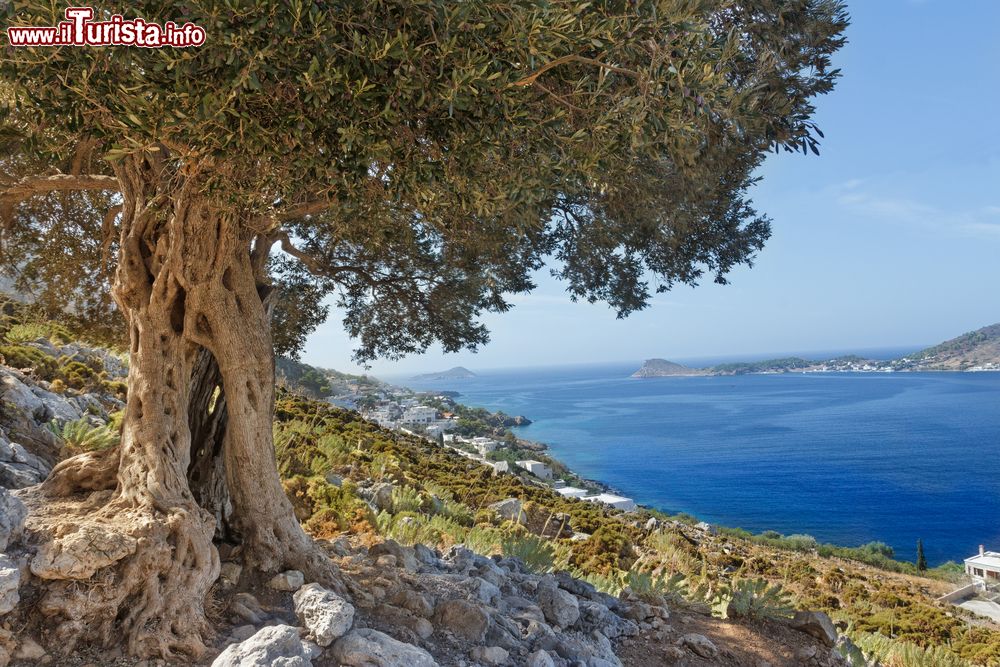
(972, 222)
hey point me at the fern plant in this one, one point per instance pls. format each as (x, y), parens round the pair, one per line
(27, 333)
(895, 653)
(81, 436)
(406, 499)
(755, 599)
(537, 553)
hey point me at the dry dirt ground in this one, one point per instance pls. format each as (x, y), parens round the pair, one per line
(740, 645)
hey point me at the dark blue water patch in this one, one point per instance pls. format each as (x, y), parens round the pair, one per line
(845, 457)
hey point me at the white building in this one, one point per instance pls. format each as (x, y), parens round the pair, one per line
(501, 467)
(419, 414)
(485, 445)
(536, 468)
(571, 492)
(618, 502)
(984, 568)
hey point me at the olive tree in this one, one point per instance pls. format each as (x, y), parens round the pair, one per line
(419, 159)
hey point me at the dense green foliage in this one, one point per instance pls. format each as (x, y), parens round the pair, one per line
(419, 160)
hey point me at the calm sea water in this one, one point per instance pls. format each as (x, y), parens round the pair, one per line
(845, 457)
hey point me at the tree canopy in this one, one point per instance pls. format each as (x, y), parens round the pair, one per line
(420, 159)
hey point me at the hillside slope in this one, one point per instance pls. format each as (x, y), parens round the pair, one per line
(443, 562)
(972, 351)
(975, 348)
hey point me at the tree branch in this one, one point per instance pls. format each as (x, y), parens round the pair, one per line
(39, 185)
(530, 79)
(309, 207)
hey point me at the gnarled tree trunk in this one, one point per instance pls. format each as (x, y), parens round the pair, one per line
(196, 458)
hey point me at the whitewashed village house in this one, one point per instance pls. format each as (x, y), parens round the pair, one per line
(618, 502)
(419, 414)
(984, 568)
(536, 468)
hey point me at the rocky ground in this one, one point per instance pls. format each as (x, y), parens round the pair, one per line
(399, 606)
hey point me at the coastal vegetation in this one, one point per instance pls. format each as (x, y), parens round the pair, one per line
(333, 464)
(416, 161)
(863, 587)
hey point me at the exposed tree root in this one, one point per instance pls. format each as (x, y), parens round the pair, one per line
(124, 573)
(91, 471)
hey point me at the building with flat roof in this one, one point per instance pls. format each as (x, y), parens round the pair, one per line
(984, 568)
(571, 492)
(536, 468)
(419, 414)
(618, 502)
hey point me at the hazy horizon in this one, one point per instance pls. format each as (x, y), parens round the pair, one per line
(877, 354)
(887, 239)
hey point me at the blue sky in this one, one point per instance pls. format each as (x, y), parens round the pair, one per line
(890, 238)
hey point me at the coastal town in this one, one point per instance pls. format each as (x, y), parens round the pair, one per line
(400, 409)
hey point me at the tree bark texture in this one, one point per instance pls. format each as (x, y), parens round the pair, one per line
(196, 459)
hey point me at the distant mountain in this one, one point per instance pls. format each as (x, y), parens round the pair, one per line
(976, 349)
(657, 368)
(456, 373)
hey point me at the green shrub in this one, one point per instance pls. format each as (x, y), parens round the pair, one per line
(82, 436)
(27, 333)
(537, 553)
(24, 356)
(755, 599)
(406, 499)
(895, 653)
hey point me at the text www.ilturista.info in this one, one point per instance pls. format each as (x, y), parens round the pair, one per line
(79, 30)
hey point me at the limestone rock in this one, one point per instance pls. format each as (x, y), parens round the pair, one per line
(560, 607)
(10, 579)
(12, 516)
(510, 510)
(29, 651)
(817, 624)
(18, 394)
(539, 659)
(365, 647)
(382, 496)
(422, 627)
(325, 614)
(289, 580)
(78, 555)
(489, 655)
(484, 591)
(19, 468)
(426, 556)
(341, 546)
(699, 644)
(403, 555)
(414, 602)
(272, 645)
(462, 618)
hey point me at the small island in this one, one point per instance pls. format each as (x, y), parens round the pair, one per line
(456, 373)
(657, 368)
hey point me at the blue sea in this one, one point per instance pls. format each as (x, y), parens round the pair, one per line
(848, 458)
